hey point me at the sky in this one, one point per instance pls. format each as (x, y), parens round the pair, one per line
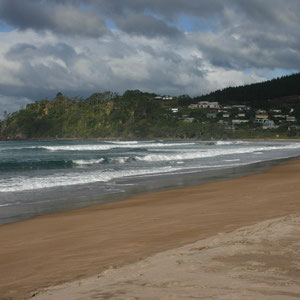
(172, 47)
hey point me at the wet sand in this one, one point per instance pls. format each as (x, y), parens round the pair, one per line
(62, 247)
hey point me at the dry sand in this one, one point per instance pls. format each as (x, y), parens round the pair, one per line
(62, 247)
(256, 262)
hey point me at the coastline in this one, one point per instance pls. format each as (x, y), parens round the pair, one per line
(132, 187)
(108, 139)
(65, 246)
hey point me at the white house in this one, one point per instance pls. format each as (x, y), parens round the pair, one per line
(167, 98)
(269, 125)
(207, 104)
(193, 106)
(261, 111)
(237, 122)
(290, 119)
(241, 107)
(266, 123)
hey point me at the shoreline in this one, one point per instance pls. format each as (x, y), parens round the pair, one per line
(64, 246)
(137, 186)
(108, 139)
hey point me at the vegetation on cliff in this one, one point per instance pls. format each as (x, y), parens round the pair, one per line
(142, 115)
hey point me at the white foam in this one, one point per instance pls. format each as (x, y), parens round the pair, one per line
(124, 142)
(88, 162)
(229, 160)
(221, 143)
(211, 153)
(99, 147)
(26, 183)
(121, 160)
(77, 147)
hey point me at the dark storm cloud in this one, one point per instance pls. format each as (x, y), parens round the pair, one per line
(42, 69)
(254, 35)
(153, 18)
(169, 8)
(147, 26)
(64, 17)
(46, 69)
(26, 52)
(148, 46)
(79, 16)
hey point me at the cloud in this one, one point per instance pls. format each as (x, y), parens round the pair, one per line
(45, 66)
(61, 17)
(167, 8)
(65, 45)
(11, 104)
(147, 26)
(28, 52)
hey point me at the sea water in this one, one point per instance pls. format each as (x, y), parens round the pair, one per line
(43, 176)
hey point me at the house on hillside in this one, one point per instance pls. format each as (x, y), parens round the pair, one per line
(193, 106)
(279, 116)
(238, 121)
(261, 116)
(167, 98)
(294, 127)
(223, 122)
(261, 112)
(266, 123)
(207, 104)
(241, 107)
(290, 119)
(241, 115)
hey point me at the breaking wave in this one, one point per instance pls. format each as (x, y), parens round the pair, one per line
(210, 153)
(26, 183)
(89, 161)
(101, 147)
(221, 143)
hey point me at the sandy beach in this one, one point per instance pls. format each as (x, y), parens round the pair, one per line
(255, 262)
(53, 249)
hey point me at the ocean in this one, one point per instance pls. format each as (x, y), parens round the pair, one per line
(38, 177)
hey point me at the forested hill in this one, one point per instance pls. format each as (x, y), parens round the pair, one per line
(145, 115)
(257, 94)
(101, 115)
